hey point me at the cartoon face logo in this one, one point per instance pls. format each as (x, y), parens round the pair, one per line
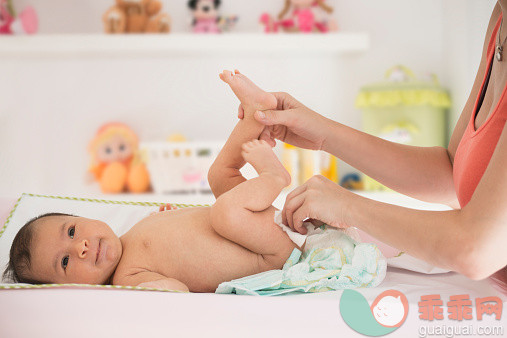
(390, 308)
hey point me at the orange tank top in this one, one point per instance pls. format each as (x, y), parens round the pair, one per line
(477, 146)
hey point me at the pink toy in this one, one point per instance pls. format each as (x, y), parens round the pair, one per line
(206, 26)
(26, 22)
(206, 18)
(300, 16)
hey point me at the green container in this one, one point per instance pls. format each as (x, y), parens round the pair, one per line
(404, 110)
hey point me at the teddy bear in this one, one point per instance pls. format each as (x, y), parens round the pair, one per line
(115, 160)
(136, 16)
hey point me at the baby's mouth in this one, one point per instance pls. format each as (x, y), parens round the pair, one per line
(98, 253)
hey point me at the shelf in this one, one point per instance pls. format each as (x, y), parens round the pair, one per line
(182, 44)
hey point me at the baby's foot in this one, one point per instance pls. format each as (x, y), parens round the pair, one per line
(259, 154)
(252, 97)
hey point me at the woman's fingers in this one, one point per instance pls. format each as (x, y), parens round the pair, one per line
(285, 101)
(299, 217)
(267, 136)
(272, 117)
(316, 222)
(291, 207)
(297, 191)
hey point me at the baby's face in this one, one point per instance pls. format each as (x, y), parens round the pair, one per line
(67, 249)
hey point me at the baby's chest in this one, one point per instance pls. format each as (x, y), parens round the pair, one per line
(170, 248)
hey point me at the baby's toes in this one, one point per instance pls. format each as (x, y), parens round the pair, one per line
(226, 76)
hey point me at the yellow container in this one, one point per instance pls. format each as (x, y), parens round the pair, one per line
(404, 110)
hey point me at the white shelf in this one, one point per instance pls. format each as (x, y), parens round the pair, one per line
(182, 44)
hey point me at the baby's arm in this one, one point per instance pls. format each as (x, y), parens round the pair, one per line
(224, 174)
(148, 279)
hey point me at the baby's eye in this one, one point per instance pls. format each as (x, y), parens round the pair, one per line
(71, 232)
(65, 261)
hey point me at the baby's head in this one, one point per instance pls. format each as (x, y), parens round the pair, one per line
(62, 248)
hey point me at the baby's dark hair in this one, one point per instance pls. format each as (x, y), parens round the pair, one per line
(17, 269)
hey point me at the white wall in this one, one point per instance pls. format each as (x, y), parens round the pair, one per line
(464, 32)
(51, 107)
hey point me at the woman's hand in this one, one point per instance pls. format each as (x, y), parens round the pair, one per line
(319, 200)
(291, 123)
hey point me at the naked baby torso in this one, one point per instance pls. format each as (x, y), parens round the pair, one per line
(182, 244)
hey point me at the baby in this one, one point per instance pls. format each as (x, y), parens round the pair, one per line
(191, 249)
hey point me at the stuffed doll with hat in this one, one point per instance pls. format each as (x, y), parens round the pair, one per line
(115, 161)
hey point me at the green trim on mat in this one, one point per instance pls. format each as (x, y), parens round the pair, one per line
(46, 286)
(10, 215)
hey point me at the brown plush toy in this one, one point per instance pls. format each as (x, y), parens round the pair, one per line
(136, 16)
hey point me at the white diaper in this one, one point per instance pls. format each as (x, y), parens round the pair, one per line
(312, 237)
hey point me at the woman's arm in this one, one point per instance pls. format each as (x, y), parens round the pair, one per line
(419, 172)
(471, 241)
(424, 173)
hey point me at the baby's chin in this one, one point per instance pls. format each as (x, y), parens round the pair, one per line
(114, 255)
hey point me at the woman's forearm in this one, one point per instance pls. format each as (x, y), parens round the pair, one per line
(437, 237)
(424, 173)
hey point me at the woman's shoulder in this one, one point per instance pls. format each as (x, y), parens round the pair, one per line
(466, 113)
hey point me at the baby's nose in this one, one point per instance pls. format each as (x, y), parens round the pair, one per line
(82, 248)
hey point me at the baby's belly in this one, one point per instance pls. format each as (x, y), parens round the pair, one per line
(196, 255)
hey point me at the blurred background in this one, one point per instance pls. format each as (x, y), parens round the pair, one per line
(61, 84)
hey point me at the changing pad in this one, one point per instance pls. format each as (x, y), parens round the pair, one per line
(121, 216)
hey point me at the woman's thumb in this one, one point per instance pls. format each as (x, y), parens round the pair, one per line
(270, 117)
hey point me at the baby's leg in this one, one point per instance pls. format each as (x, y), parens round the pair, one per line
(244, 214)
(259, 193)
(224, 174)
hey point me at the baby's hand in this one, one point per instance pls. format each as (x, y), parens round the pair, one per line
(167, 207)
